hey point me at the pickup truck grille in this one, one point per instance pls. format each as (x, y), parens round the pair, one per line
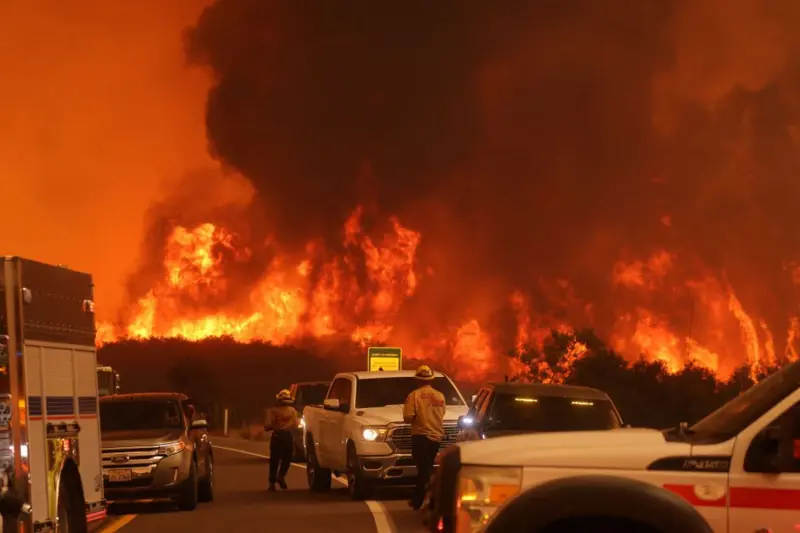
(130, 457)
(400, 437)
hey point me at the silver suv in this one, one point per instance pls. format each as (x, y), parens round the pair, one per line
(152, 448)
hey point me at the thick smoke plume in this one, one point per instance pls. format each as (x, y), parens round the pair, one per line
(524, 140)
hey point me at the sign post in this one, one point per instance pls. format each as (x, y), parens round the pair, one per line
(384, 359)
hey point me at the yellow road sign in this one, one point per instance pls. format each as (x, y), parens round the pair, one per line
(384, 359)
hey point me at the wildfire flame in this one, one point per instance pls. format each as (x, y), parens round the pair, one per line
(360, 293)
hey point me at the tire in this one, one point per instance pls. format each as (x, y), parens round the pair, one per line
(205, 490)
(599, 525)
(319, 479)
(187, 501)
(357, 487)
(71, 514)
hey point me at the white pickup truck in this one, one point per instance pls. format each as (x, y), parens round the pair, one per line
(735, 471)
(359, 430)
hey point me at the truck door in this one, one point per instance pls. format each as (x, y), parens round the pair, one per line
(332, 423)
(764, 485)
(338, 427)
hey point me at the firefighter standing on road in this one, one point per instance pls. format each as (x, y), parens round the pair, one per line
(424, 410)
(282, 420)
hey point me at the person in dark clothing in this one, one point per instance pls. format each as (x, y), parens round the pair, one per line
(282, 419)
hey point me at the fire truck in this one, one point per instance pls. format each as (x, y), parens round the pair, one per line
(50, 466)
(107, 381)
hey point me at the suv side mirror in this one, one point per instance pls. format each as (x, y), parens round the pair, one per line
(200, 424)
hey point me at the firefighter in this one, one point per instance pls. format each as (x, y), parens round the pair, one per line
(282, 419)
(424, 410)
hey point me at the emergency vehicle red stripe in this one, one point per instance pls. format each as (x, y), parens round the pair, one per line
(744, 497)
(687, 493)
(762, 498)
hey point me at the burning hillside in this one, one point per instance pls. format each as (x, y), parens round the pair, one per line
(360, 293)
(623, 166)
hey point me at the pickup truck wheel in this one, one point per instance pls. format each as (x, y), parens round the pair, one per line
(187, 501)
(319, 479)
(358, 487)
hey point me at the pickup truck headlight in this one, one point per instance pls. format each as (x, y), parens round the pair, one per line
(172, 448)
(373, 433)
(481, 491)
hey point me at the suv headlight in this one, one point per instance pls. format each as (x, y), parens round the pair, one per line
(481, 491)
(172, 448)
(373, 433)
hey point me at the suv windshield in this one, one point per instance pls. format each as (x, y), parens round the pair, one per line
(733, 417)
(512, 412)
(311, 394)
(394, 391)
(140, 414)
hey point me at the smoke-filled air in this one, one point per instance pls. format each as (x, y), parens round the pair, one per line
(460, 177)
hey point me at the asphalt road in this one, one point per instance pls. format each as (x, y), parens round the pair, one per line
(242, 503)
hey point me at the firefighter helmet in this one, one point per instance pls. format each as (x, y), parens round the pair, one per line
(425, 373)
(285, 395)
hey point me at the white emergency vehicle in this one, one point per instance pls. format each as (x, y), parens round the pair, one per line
(735, 471)
(49, 428)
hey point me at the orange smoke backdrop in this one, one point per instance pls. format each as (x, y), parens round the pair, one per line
(454, 179)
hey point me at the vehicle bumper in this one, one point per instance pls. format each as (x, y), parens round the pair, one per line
(395, 468)
(165, 479)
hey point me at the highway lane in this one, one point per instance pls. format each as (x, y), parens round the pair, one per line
(242, 503)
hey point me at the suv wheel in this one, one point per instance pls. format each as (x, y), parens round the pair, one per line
(187, 501)
(206, 488)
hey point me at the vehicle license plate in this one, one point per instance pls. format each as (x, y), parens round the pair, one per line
(119, 475)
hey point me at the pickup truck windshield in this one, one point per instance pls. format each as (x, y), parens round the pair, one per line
(733, 417)
(394, 391)
(140, 414)
(511, 412)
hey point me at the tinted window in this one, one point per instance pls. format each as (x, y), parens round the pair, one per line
(394, 391)
(140, 414)
(548, 413)
(311, 394)
(105, 383)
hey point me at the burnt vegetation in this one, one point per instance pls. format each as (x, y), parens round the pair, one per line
(244, 378)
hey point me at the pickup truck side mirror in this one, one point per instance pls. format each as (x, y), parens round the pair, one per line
(199, 424)
(333, 404)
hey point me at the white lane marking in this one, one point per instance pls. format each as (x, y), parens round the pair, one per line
(383, 520)
(340, 479)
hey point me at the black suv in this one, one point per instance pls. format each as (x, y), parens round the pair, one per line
(513, 408)
(501, 409)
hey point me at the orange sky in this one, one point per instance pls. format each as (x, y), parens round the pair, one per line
(97, 115)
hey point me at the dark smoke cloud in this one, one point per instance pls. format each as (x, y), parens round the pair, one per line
(525, 138)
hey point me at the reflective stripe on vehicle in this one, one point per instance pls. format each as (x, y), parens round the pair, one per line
(741, 497)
